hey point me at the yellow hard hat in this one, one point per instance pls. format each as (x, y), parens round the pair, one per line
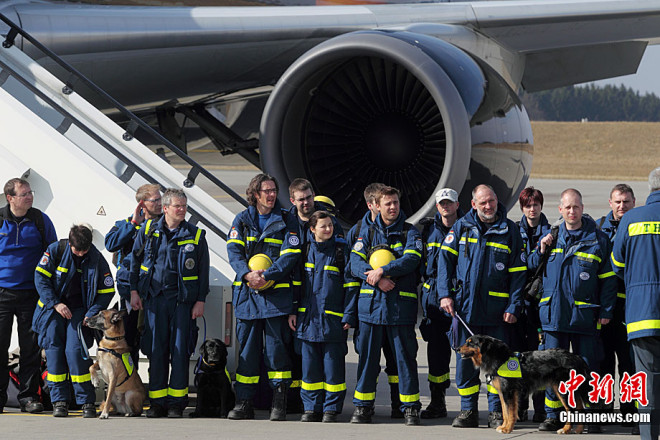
(326, 200)
(381, 257)
(261, 262)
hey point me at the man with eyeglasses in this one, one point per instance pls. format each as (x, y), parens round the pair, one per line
(119, 240)
(301, 195)
(169, 278)
(25, 232)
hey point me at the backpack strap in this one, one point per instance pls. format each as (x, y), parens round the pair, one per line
(149, 232)
(61, 246)
(601, 222)
(37, 217)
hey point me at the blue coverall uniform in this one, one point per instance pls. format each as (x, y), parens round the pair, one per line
(171, 274)
(59, 336)
(485, 260)
(327, 303)
(261, 316)
(636, 258)
(390, 315)
(390, 360)
(579, 288)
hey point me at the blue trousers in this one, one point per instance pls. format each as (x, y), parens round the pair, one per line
(270, 336)
(438, 349)
(614, 340)
(586, 346)
(390, 367)
(647, 359)
(64, 359)
(467, 377)
(169, 323)
(403, 341)
(323, 376)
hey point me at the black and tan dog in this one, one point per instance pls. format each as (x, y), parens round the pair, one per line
(516, 374)
(126, 393)
(215, 396)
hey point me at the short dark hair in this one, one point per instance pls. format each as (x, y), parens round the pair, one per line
(387, 191)
(300, 185)
(371, 191)
(318, 215)
(80, 237)
(530, 195)
(622, 188)
(10, 186)
(255, 185)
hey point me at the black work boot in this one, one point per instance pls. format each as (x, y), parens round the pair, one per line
(278, 410)
(60, 409)
(412, 416)
(437, 407)
(362, 414)
(396, 402)
(242, 411)
(89, 411)
(466, 419)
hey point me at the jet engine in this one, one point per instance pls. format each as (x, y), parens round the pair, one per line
(402, 108)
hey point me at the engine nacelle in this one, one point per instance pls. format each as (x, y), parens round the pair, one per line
(401, 108)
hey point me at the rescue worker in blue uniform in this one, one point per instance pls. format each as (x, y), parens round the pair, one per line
(74, 284)
(261, 315)
(579, 291)
(436, 323)
(614, 338)
(482, 252)
(636, 258)
(527, 331)
(25, 233)
(170, 280)
(387, 307)
(370, 194)
(120, 240)
(326, 310)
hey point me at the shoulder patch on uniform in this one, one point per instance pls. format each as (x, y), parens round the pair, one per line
(419, 245)
(584, 276)
(189, 247)
(189, 263)
(523, 257)
(233, 233)
(294, 240)
(358, 246)
(44, 260)
(499, 266)
(108, 281)
(449, 238)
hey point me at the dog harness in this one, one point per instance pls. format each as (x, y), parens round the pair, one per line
(126, 360)
(510, 369)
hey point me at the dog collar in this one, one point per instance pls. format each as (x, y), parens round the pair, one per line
(206, 363)
(118, 338)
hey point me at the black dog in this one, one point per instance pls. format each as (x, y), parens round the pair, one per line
(215, 396)
(538, 369)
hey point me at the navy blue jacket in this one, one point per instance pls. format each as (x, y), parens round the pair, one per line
(636, 259)
(52, 279)
(488, 269)
(281, 242)
(328, 294)
(20, 250)
(303, 228)
(579, 286)
(120, 239)
(531, 237)
(398, 306)
(192, 264)
(609, 226)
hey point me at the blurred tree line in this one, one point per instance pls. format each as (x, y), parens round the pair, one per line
(608, 103)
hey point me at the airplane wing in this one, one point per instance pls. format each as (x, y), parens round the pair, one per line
(418, 96)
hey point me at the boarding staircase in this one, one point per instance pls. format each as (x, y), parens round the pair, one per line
(84, 167)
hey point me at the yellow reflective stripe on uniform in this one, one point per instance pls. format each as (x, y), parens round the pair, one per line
(310, 265)
(311, 386)
(296, 283)
(647, 324)
(588, 256)
(408, 294)
(433, 244)
(177, 393)
(352, 284)
(242, 243)
(111, 290)
(295, 384)
(598, 325)
(606, 275)
(272, 240)
(331, 268)
(279, 375)
(408, 398)
(366, 290)
(518, 269)
(491, 389)
(302, 309)
(341, 315)
(40, 304)
(644, 228)
(62, 269)
(396, 245)
(582, 303)
(468, 391)
(498, 245)
(410, 251)
(448, 249)
(281, 285)
(364, 257)
(290, 251)
(621, 295)
(426, 285)
(392, 378)
(237, 283)
(158, 394)
(144, 268)
(439, 379)
(544, 299)
(364, 396)
(250, 238)
(194, 277)
(193, 241)
(147, 226)
(469, 240)
(247, 379)
(553, 403)
(56, 377)
(334, 388)
(616, 263)
(499, 294)
(44, 271)
(557, 251)
(80, 378)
